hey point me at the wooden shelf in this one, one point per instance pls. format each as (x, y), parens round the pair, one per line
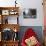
(9, 43)
(4, 24)
(11, 26)
(9, 8)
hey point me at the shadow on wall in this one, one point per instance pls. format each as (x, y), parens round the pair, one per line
(37, 29)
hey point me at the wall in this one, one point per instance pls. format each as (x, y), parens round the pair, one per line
(32, 4)
(27, 4)
(7, 3)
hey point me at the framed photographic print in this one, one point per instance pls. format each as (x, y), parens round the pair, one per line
(29, 13)
(13, 12)
(5, 12)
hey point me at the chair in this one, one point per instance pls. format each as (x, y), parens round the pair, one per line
(29, 33)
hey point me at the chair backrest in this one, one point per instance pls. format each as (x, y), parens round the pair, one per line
(29, 32)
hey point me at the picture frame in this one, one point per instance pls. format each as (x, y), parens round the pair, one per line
(29, 13)
(13, 12)
(5, 12)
